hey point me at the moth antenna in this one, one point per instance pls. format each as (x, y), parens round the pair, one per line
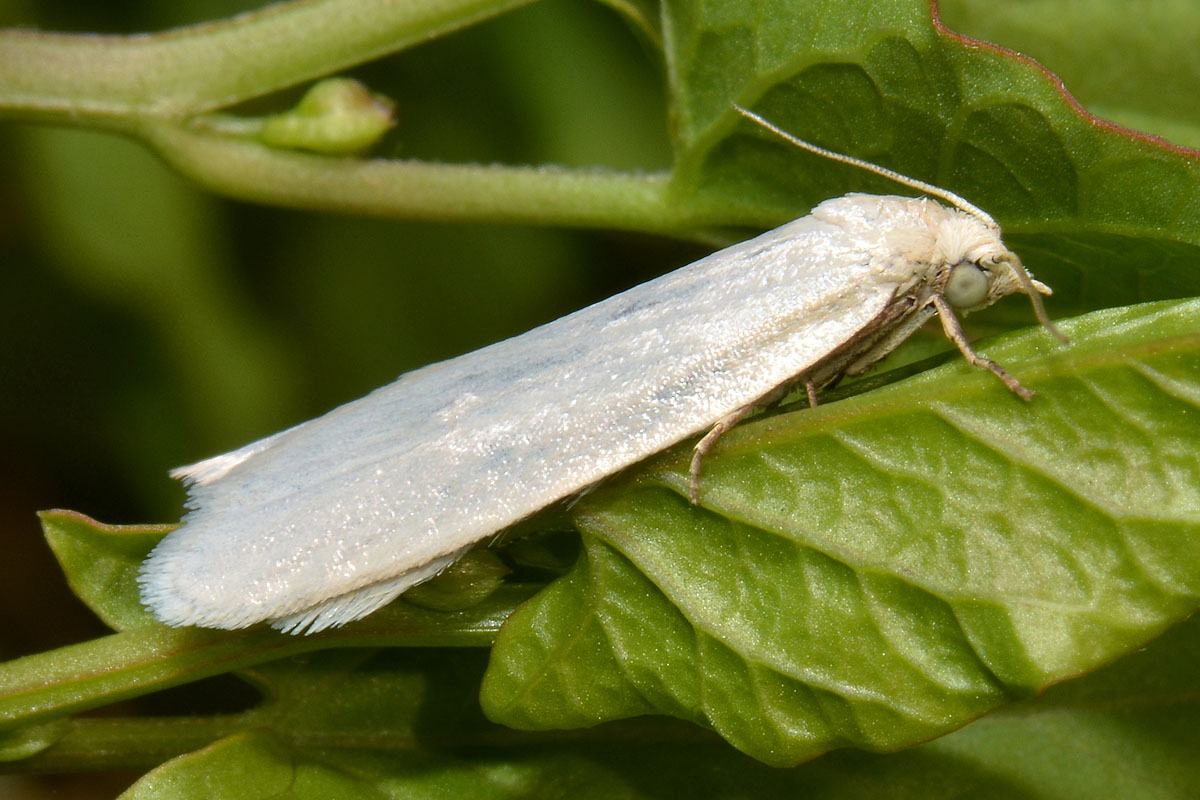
(1035, 297)
(962, 204)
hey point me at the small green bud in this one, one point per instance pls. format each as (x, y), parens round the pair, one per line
(465, 583)
(337, 115)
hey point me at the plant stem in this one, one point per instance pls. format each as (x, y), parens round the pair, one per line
(415, 189)
(127, 743)
(45, 686)
(156, 88)
(140, 743)
(71, 78)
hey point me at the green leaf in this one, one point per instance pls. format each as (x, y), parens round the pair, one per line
(643, 15)
(1133, 63)
(252, 764)
(882, 570)
(1106, 217)
(1126, 731)
(101, 563)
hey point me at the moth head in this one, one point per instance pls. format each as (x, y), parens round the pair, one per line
(974, 268)
(972, 284)
(979, 269)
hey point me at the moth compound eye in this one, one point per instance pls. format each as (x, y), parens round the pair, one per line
(967, 286)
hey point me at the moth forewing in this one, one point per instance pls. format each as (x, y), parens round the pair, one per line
(327, 521)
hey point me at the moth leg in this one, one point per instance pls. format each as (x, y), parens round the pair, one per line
(810, 389)
(704, 445)
(954, 333)
(726, 422)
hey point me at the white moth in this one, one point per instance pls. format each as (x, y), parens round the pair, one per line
(327, 521)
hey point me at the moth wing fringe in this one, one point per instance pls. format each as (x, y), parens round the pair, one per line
(337, 611)
(212, 469)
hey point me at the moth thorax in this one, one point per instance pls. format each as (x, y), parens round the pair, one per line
(963, 238)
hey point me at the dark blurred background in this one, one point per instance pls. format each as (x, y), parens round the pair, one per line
(146, 323)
